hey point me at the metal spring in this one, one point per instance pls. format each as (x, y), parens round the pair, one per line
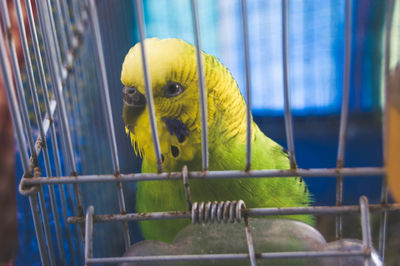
(222, 211)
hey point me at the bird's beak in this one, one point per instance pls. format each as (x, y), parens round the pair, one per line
(134, 104)
(133, 98)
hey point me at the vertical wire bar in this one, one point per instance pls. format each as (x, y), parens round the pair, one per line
(288, 114)
(89, 233)
(385, 192)
(366, 228)
(61, 29)
(36, 106)
(66, 17)
(56, 74)
(41, 195)
(248, 84)
(46, 225)
(202, 87)
(104, 85)
(78, 17)
(56, 71)
(75, 91)
(66, 47)
(250, 246)
(149, 90)
(108, 113)
(18, 81)
(17, 124)
(343, 114)
(62, 32)
(44, 257)
(43, 83)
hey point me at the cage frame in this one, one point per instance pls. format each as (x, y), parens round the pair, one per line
(33, 181)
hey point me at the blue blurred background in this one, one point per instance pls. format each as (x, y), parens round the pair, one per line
(316, 31)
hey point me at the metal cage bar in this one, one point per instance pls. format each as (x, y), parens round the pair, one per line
(61, 30)
(18, 81)
(50, 106)
(235, 256)
(250, 245)
(60, 57)
(57, 73)
(147, 82)
(362, 208)
(26, 164)
(366, 228)
(286, 89)
(89, 234)
(385, 191)
(108, 113)
(202, 87)
(343, 114)
(248, 84)
(39, 121)
(251, 212)
(364, 172)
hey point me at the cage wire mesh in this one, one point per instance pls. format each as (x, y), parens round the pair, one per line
(55, 102)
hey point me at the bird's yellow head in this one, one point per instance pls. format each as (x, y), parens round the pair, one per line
(174, 80)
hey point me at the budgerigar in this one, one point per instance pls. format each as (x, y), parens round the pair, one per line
(174, 79)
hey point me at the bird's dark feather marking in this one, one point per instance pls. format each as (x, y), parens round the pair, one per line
(176, 127)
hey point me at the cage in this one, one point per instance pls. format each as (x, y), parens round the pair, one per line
(82, 204)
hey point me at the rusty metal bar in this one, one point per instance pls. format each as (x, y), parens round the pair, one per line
(185, 178)
(286, 91)
(343, 114)
(252, 212)
(202, 87)
(364, 172)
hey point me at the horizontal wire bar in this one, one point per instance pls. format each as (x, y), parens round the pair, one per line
(252, 212)
(239, 256)
(271, 173)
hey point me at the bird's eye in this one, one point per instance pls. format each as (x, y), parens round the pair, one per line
(173, 89)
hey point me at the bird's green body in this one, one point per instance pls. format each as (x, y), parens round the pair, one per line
(178, 121)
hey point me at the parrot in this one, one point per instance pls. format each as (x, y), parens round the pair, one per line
(172, 67)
